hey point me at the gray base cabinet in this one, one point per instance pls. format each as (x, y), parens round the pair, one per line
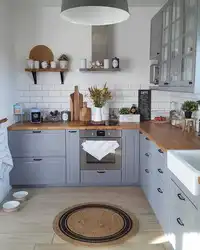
(46, 171)
(39, 158)
(72, 157)
(37, 143)
(130, 157)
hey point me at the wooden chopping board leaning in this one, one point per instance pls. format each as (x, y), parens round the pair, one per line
(85, 113)
(76, 103)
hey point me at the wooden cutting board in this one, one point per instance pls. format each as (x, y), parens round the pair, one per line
(41, 53)
(85, 113)
(76, 103)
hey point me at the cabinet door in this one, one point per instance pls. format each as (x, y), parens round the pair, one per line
(72, 157)
(130, 157)
(44, 171)
(189, 36)
(156, 36)
(37, 143)
(165, 46)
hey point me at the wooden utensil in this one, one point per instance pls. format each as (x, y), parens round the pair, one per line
(41, 53)
(76, 103)
(85, 113)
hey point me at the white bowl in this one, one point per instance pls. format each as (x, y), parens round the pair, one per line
(11, 206)
(21, 195)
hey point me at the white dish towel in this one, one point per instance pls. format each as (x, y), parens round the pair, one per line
(6, 162)
(99, 149)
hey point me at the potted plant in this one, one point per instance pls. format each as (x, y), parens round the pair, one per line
(127, 115)
(99, 97)
(189, 107)
(198, 102)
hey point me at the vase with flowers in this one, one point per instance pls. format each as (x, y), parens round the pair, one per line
(99, 97)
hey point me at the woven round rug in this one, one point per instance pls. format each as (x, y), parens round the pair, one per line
(95, 224)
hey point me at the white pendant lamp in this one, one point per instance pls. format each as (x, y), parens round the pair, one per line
(95, 12)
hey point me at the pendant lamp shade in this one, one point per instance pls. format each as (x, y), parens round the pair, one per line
(95, 12)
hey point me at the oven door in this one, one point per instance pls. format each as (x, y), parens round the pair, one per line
(109, 162)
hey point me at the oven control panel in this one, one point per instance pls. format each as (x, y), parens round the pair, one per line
(100, 133)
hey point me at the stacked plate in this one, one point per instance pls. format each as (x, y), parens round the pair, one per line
(11, 206)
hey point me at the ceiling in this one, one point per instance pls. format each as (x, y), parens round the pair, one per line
(146, 2)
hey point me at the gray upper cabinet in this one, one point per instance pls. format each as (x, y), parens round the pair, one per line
(37, 143)
(72, 157)
(180, 53)
(130, 157)
(156, 36)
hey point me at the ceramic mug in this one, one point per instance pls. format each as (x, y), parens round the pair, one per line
(53, 64)
(36, 64)
(30, 63)
(44, 65)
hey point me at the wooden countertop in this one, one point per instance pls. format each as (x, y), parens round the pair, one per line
(165, 136)
(69, 125)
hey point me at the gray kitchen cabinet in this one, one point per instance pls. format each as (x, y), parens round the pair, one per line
(38, 171)
(130, 157)
(72, 157)
(103, 177)
(154, 179)
(156, 36)
(37, 143)
(180, 53)
(183, 220)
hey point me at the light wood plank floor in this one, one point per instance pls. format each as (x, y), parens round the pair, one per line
(31, 227)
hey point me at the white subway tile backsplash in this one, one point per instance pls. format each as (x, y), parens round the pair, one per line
(24, 99)
(55, 99)
(55, 93)
(55, 106)
(36, 99)
(48, 87)
(35, 87)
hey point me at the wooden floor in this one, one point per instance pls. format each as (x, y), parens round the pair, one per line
(31, 227)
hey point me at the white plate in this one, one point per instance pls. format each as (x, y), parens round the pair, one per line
(11, 206)
(21, 195)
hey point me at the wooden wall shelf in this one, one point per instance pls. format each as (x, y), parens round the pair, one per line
(100, 70)
(35, 71)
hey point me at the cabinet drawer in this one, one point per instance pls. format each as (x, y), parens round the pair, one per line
(46, 171)
(37, 143)
(101, 177)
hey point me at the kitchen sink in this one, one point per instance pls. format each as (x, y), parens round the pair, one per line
(185, 165)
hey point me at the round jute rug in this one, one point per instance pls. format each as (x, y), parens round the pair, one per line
(95, 225)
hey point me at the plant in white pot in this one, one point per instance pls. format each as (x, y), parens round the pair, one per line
(129, 115)
(99, 97)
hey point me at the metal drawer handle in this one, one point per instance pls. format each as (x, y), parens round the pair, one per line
(180, 222)
(72, 132)
(101, 172)
(146, 138)
(181, 197)
(160, 151)
(160, 171)
(37, 132)
(147, 171)
(160, 190)
(141, 133)
(37, 159)
(147, 155)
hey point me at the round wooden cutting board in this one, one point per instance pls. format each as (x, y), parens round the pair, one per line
(41, 53)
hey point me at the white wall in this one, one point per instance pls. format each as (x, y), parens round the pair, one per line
(43, 25)
(7, 68)
(7, 73)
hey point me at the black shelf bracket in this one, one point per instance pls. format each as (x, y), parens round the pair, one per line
(34, 74)
(62, 77)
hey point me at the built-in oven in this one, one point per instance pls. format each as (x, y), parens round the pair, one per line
(111, 161)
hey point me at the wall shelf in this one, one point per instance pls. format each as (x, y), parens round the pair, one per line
(35, 71)
(100, 70)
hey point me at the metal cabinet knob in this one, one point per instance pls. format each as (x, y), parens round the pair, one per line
(180, 222)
